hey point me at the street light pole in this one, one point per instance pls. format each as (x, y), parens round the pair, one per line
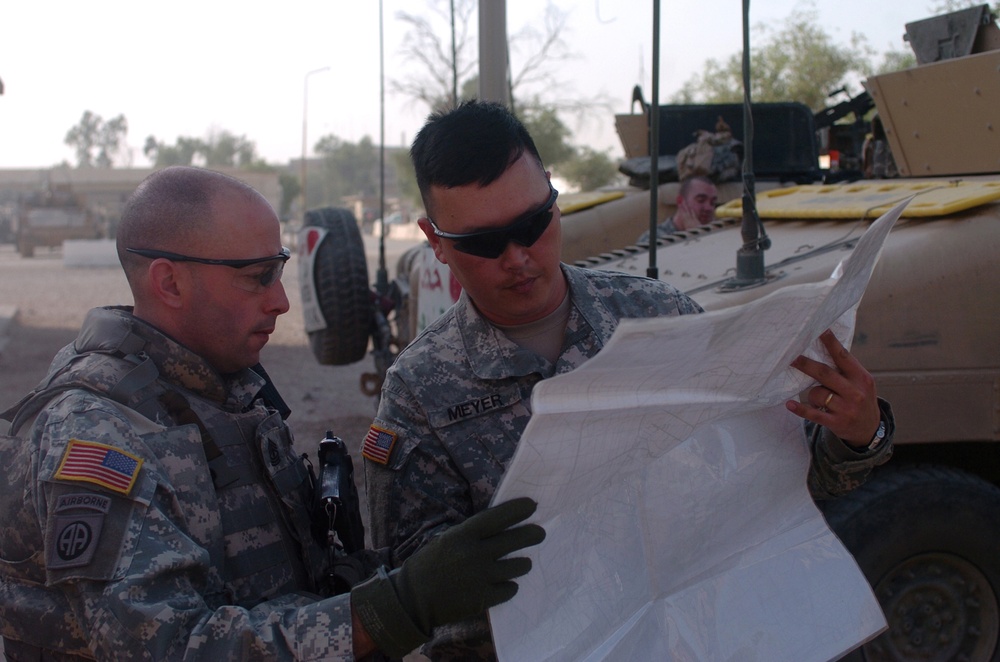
(305, 114)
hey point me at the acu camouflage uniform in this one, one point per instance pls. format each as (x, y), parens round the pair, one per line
(664, 228)
(200, 550)
(456, 400)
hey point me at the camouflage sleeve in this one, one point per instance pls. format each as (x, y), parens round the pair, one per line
(153, 589)
(836, 468)
(183, 626)
(418, 491)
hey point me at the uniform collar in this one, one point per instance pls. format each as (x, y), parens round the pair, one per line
(492, 355)
(114, 329)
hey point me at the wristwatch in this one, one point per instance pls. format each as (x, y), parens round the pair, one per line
(879, 436)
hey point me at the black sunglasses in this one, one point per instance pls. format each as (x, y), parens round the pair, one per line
(525, 230)
(256, 282)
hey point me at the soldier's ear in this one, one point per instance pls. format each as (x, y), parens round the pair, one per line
(168, 281)
(432, 239)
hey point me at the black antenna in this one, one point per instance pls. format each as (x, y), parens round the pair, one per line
(750, 256)
(654, 145)
(382, 276)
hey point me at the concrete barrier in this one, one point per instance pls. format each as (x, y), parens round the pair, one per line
(89, 253)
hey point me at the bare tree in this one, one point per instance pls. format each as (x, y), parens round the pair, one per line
(537, 94)
(424, 46)
(536, 53)
(540, 53)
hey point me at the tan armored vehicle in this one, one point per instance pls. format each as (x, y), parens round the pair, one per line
(926, 528)
(50, 217)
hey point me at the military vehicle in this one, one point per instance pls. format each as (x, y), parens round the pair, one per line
(50, 217)
(926, 528)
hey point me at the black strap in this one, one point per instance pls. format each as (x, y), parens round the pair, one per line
(269, 394)
(135, 379)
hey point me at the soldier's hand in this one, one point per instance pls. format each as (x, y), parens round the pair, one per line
(845, 400)
(458, 575)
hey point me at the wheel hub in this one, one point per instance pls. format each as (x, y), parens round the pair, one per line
(940, 607)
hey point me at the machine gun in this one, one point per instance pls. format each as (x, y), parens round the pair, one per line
(338, 511)
(847, 139)
(859, 105)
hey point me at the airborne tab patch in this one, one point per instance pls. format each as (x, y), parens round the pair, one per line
(100, 464)
(378, 444)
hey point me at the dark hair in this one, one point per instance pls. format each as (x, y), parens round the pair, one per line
(474, 143)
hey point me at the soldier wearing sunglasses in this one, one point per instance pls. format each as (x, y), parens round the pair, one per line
(155, 507)
(456, 400)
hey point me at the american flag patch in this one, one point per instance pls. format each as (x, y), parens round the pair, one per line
(91, 462)
(378, 444)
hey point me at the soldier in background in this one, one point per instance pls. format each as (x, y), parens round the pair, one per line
(696, 201)
(458, 397)
(155, 507)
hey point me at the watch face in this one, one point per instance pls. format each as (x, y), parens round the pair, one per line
(879, 436)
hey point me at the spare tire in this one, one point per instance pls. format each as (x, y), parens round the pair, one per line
(340, 278)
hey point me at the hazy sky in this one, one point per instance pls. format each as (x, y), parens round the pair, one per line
(185, 68)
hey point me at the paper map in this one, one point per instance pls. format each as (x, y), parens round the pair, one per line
(671, 482)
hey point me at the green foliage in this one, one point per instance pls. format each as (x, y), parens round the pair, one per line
(589, 169)
(548, 132)
(406, 177)
(181, 153)
(96, 141)
(946, 6)
(799, 62)
(896, 61)
(348, 169)
(226, 149)
(583, 167)
(219, 149)
(290, 189)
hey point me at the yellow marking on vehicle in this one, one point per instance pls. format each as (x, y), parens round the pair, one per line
(571, 202)
(869, 199)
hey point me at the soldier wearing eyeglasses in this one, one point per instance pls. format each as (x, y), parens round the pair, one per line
(457, 399)
(155, 507)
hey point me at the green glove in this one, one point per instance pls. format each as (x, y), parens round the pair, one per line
(457, 575)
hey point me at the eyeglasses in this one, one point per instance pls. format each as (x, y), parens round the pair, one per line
(525, 230)
(254, 280)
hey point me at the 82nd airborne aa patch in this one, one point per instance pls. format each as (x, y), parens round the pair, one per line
(378, 444)
(77, 527)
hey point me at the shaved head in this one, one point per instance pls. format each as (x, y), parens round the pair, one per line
(171, 210)
(222, 311)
